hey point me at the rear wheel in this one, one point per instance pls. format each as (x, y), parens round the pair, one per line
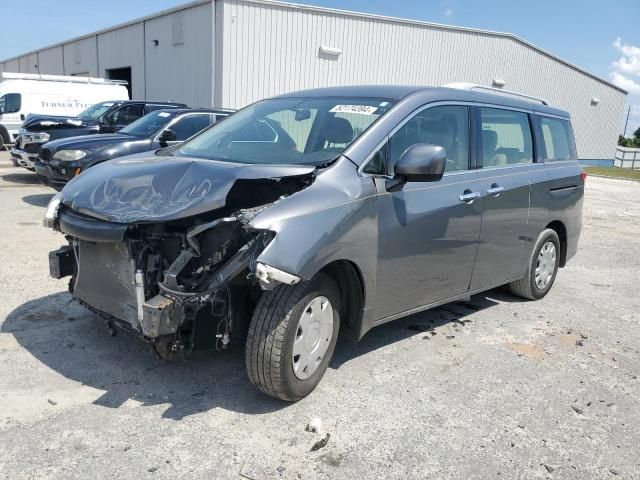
(292, 336)
(542, 268)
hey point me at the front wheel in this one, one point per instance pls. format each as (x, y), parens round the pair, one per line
(292, 336)
(542, 268)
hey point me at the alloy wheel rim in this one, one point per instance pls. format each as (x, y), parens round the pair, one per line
(546, 265)
(313, 336)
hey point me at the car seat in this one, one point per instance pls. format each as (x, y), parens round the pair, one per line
(491, 158)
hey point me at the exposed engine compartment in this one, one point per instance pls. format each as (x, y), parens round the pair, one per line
(162, 280)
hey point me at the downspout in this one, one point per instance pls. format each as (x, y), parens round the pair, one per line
(217, 53)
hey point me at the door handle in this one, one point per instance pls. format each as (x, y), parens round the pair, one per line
(495, 190)
(468, 196)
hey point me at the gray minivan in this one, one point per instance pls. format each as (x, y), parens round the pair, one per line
(327, 210)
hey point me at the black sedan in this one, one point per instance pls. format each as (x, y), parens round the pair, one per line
(103, 117)
(61, 160)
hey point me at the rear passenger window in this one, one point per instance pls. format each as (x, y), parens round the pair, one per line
(446, 126)
(506, 138)
(557, 138)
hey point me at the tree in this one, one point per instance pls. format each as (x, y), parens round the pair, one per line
(622, 141)
(630, 142)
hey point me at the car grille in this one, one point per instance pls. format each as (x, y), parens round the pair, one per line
(32, 147)
(45, 155)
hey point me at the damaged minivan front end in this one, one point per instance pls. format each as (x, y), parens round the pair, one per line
(159, 246)
(259, 230)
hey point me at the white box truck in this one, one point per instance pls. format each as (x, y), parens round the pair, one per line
(22, 94)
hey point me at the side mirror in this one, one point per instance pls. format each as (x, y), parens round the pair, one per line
(167, 136)
(107, 124)
(422, 162)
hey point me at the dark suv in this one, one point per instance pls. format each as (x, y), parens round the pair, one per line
(103, 117)
(61, 160)
(323, 211)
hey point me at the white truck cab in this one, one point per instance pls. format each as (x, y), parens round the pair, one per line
(22, 94)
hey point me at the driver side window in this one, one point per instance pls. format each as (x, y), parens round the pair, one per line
(10, 103)
(126, 114)
(446, 126)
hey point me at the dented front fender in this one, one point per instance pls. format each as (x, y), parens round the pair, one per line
(333, 219)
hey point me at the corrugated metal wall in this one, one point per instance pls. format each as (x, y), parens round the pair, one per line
(124, 47)
(28, 63)
(180, 67)
(50, 61)
(262, 49)
(269, 49)
(81, 57)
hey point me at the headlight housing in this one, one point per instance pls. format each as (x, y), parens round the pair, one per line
(52, 211)
(38, 137)
(69, 155)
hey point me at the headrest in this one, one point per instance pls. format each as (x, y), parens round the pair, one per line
(338, 130)
(440, 132)
(489, 140)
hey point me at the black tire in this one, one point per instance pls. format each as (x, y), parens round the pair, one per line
(271, 335)
(527, 287)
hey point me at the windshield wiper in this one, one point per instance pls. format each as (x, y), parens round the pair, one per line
(164, 152)
(327, 163)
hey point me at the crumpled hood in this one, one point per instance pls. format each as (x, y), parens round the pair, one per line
(89, 142)
(155, 189)
(41, 123)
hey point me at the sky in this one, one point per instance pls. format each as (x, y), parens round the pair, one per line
(602, 36)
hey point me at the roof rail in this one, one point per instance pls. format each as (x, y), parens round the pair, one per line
(475, 86)
(60, 78)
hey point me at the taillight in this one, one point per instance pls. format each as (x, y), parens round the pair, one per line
(583, 175)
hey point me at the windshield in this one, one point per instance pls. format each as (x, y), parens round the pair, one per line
(148, 125)
(95, 111)
(309, 131)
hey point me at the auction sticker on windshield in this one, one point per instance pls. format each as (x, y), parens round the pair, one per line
(361, 109)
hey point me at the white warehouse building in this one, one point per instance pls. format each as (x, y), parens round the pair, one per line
(228, 53)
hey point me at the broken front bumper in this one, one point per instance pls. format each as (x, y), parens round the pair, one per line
(24, 159)
(110, 276)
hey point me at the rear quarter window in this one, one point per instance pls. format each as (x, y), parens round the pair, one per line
(557, 139)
